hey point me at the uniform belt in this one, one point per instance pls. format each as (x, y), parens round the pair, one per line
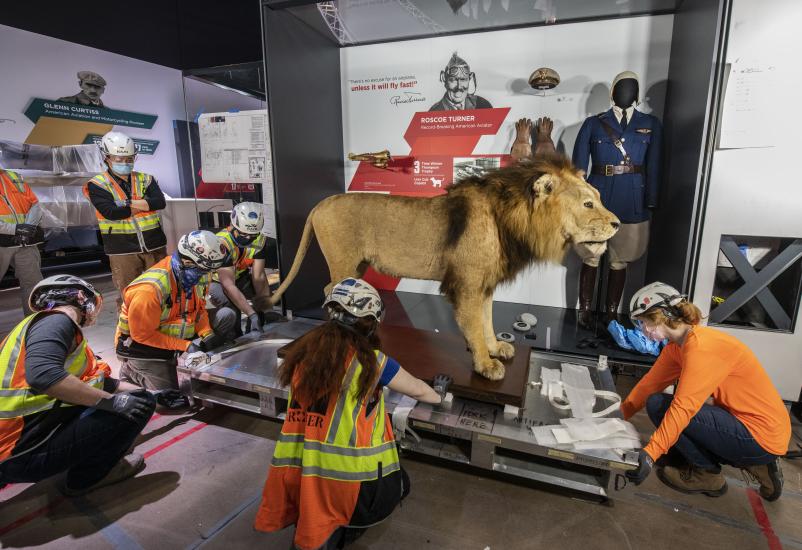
(616, 169)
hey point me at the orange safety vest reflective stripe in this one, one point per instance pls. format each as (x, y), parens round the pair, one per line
(141, 232)
(321, 460)
(17, 399)
(179, 314)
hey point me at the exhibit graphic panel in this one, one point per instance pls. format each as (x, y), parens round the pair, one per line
(60, 93)
(420, 115)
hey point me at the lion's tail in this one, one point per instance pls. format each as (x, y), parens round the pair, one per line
(300, 254)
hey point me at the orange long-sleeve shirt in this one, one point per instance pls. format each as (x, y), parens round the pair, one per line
(144, 314)
(711, 362)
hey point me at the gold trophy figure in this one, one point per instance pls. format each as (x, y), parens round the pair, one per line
(379, 159)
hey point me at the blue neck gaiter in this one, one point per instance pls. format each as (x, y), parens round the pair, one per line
(187, 276)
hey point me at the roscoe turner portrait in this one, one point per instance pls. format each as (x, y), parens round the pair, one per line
(92, 87)
(457, 77)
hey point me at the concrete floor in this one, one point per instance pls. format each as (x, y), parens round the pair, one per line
(205, 471)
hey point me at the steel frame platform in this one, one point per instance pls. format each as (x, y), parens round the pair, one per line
(482, 435)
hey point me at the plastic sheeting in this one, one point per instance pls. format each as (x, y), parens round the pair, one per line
(572, 388)
(57, 176)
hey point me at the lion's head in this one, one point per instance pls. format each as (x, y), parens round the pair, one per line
(541, 208)
(562, 197)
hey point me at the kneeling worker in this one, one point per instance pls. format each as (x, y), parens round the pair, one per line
(164, 309)
(747, 426)
(335, 468)
(59, 410)
(244, 277)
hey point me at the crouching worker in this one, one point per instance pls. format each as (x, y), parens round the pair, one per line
(59, 409)
(335, 469)
(244, 277)
(164, 309)
(747, 426)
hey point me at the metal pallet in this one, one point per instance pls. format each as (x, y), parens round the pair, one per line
(468, 432)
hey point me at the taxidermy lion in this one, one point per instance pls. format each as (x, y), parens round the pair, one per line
(481, 233)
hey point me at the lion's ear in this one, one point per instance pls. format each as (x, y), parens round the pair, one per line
(542, 186)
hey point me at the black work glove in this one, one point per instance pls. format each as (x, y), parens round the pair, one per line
(645, 465)
(171, 399)
(441, 383)
(24, 233)
(130, 406)
(255, 322)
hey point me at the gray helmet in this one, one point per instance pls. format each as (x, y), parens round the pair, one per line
(54, 291)
(658, 295)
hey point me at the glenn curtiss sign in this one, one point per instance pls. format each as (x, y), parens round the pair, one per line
(87, 113)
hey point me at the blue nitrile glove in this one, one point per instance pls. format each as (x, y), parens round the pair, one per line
(618, 332)
(642, 344)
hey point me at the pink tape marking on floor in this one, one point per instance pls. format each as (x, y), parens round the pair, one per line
(763, 520)
(19, 522)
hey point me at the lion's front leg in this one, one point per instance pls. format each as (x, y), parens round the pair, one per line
(468, 311)
(495, 347)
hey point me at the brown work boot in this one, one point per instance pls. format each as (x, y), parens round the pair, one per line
(693, 480)
(127, 467)
(616, 278)
(587, 284)
(770, 477)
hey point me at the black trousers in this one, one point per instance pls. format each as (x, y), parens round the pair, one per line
(87, 448)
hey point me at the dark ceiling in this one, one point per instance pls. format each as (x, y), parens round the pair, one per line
(182, 34)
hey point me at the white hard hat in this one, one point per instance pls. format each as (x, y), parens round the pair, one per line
(117, 144)
(248, 218)
(655, 295)
(206, 249)
(357, 297)
(48, 292)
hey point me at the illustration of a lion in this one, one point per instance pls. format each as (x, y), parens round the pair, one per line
(479, 234)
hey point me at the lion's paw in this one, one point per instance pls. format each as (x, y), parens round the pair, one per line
(504, 350)
(492, 369)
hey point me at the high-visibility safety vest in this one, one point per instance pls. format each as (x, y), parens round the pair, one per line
(141, 232)
(242, 258)
(17, 400)
(16, 199)
(321, 460)
(180, 311)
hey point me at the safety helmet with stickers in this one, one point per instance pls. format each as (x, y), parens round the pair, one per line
(204, 248)
(66, 290)
(117, 144)
(248, 218)
(357, 298)
(655, 295)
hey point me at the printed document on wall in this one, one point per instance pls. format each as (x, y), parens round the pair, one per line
(749, 114)
(235, 147)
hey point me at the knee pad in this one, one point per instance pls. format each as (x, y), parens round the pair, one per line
(225, 319)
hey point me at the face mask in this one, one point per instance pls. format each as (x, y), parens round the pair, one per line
(652, 333)
(244, 240)
(122, 168)
(187, 276)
